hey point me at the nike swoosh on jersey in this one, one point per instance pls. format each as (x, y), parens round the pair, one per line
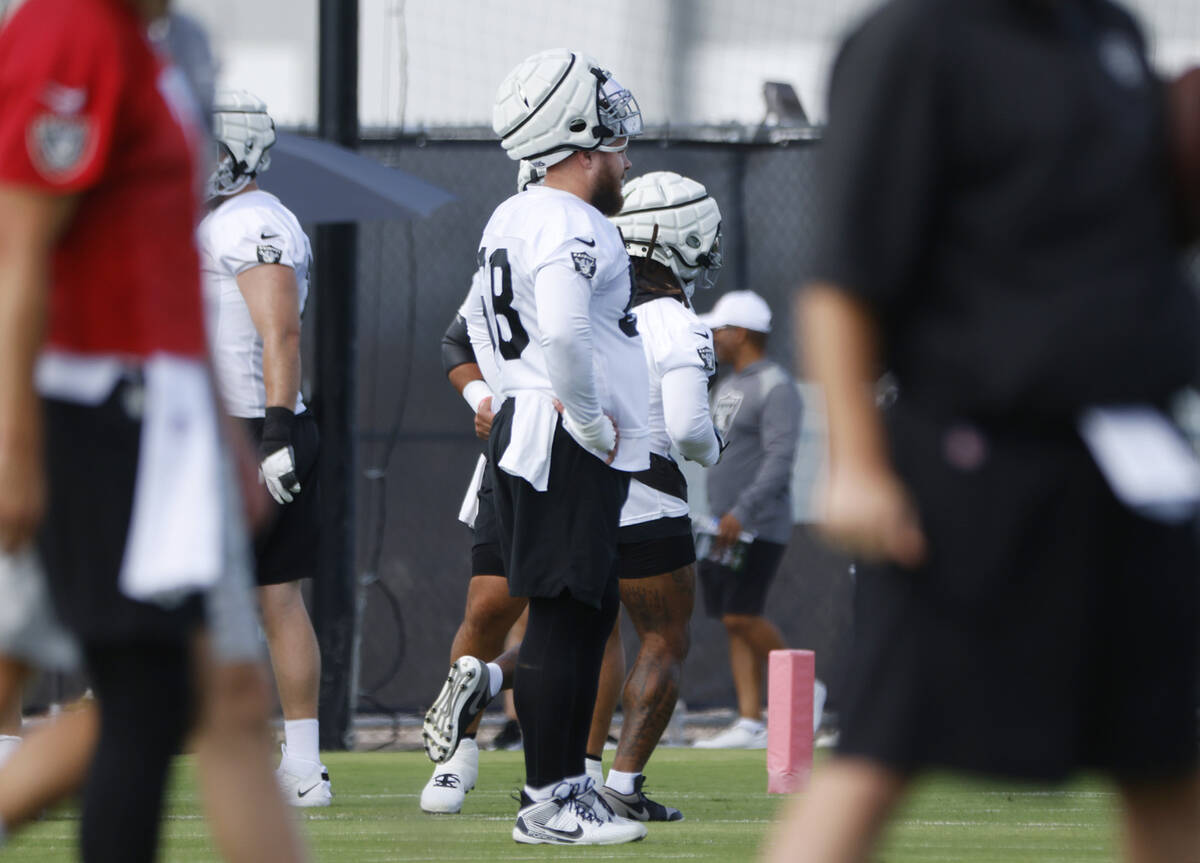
(586, 242)
(267, 236)
(300, 793)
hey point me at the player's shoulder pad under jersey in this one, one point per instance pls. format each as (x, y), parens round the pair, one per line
(255, 228)
(560, 226)
(676, 338)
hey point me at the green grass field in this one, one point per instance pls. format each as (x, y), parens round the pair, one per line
(722, 794)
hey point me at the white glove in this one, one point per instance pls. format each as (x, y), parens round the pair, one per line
(599, 435)
(278, 471)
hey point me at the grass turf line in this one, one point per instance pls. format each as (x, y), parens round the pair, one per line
(376, 817)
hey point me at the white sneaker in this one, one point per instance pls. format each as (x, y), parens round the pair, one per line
(450, 782)
(743, 734)
(8, 745)
(304, 783)
(580, 819)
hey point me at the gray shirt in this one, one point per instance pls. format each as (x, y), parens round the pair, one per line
(757, 410)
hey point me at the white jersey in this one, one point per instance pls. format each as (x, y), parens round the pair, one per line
(544, 236)
(243, 232)
(673, 338)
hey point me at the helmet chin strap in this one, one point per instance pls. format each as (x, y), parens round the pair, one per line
(653, 242)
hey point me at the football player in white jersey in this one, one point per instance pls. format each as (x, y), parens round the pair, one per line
(255, 261)
(672, 230)
(555, 288)
(490, 611)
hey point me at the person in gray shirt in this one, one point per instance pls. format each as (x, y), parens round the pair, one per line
(756, 409)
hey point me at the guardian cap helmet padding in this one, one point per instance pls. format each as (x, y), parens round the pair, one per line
(558, 102)
(243, 132)
(673, 220)
(527, 176)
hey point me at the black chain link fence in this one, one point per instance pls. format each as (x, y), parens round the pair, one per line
(417, 449)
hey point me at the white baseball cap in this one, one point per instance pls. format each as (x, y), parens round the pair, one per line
(744, 309)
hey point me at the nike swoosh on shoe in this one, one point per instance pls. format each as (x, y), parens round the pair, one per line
(537, 832)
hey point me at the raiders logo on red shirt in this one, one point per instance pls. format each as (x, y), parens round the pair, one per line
(59, 145)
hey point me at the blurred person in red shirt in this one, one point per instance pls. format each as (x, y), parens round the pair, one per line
(111, 456)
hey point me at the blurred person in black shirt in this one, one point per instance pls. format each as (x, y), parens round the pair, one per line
(996, 232)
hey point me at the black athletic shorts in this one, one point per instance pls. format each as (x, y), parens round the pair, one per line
(91, 471)
(565, 538)
(287, 547)
(1051, 630)
(744, 590)
(486, 558)
(656, 547)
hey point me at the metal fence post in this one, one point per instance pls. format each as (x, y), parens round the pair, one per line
(336, 265)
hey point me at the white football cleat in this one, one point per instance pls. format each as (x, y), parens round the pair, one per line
(743, 734)
(443, 794)
(304, 783)
(580, 819)
(464, 695)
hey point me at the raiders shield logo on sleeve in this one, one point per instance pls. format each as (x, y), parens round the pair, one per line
(585, 264)
(707, 358)
(269, 255)
(60, 145)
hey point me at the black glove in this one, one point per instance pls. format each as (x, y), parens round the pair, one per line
(277, 459)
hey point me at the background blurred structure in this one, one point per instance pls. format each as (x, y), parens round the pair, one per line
(428, 70)
(429, 64)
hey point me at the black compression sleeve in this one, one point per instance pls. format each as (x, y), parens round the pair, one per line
(456, 345)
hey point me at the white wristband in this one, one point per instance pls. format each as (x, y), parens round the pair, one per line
(475, 392)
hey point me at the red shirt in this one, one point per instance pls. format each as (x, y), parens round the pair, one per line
(88, 108)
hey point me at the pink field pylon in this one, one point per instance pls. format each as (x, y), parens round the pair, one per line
(790, 678)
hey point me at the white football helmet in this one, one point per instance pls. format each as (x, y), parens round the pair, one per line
(558, 102)
(673, 220)
(527, 175)
(243, 132)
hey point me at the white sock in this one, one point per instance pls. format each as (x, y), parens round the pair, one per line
(540, 795)
(563, 788)
(302, 737)
(495, 679)
(594, 768)
(622, 783)
(755, 725)
(8, 745)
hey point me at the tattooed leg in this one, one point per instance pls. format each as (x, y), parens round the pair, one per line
(661, 610)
